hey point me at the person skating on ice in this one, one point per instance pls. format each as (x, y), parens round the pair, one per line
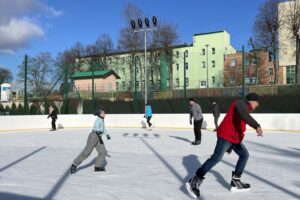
(216, 113)
(53, 115)
(148, 116)
(196, 114)
(230, 136)
(94, 141)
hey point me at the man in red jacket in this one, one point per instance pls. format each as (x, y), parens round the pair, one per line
(230, 135)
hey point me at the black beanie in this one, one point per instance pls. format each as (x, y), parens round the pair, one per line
(97, 112)
(252, 97)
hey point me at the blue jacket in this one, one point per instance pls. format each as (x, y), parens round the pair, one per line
(148, 112)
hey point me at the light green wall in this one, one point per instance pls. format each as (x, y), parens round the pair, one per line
(196, 73)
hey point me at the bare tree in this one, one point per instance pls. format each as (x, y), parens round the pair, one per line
(167, 37)
(292, 23)
(267, 23)
(128, 39)
(41, 74)
(100, 49)
(5, 75)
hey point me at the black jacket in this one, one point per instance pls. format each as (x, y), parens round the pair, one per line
(53, 115)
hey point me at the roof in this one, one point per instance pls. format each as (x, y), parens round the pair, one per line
(209, 33)
(97, 74)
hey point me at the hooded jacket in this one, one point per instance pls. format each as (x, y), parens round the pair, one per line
(233, 126)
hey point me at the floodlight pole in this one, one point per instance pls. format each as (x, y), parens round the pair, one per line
(145, 58)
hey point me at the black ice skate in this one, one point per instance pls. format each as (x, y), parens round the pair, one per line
(196, 142)
(237, 185)
(73, 169)
(193, 187)
(100, 169)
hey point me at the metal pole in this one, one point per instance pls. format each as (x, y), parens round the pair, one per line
(207, 85)
(135, 75)
(25, 87)
(184, 74)
(93, 85)
(145, 69)
(66, 90)
(243, 69)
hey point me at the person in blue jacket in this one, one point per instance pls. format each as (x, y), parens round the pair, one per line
(148, 115)
(94, 141)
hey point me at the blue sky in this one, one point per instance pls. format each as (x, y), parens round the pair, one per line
(55, 25)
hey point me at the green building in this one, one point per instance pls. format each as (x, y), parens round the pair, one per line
(204, 65)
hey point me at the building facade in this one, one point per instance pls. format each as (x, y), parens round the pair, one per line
(204, 65)
(258, 69)
(287, 45)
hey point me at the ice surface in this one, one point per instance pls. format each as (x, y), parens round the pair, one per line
(143, 165)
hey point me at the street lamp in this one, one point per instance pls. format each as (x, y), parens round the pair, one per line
(145, 30)
(207, 86)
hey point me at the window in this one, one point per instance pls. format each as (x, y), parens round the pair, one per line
(290, 74)
(203, 83)
(203, 52)
(271, 71)
(213, 63)
(186, 65)
(213, 79)
(177, 67)
(177, 82)
(231, 80)
(254, 61)
(232, 63)
(177, 54)
(203, 64)
(186, 53)
(213, 50)
(187, 81)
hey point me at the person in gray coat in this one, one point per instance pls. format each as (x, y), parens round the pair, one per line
(196, 114)
(94, 141)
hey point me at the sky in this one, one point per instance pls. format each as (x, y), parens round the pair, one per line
(34, 26)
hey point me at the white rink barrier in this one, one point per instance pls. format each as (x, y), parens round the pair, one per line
(267, 121)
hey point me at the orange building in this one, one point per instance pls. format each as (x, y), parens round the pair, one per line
(104, 81)
(261, 69)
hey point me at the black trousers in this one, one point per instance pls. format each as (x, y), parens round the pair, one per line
(53, 124)
(148, 121)
(216, 119)
(197, 129)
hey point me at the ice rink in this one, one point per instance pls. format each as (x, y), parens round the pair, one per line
(143, 165)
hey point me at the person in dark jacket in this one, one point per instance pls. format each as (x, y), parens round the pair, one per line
(230, 135)
(196, 113)
(216, 113)
(53, 115)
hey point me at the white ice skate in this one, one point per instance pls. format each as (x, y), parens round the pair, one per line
(150, 128)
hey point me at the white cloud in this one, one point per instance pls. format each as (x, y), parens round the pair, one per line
(17, 34)
(20, 22)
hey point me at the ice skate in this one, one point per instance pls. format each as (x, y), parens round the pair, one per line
(237, 185)
(73, 169)
(100, 169)
(196, 142)
(192, 187)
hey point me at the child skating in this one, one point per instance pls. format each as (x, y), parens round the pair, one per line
(53, 115)
(94, 141)
(230, 135)
(148, 116)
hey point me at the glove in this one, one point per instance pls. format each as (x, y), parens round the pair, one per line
(108, 137)
(191, 122)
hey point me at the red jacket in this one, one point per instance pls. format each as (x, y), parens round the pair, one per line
(233, 126)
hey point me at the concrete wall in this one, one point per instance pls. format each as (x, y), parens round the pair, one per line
(267, 121)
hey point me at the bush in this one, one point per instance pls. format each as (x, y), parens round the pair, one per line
(20, 109)
(13, 110)
(34, 109)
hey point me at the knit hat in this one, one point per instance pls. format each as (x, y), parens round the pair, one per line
(97, 112)
(252, 97)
